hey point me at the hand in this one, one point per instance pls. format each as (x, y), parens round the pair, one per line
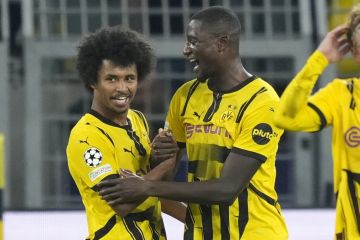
(128, 188)
(163, 147)
(335, 44)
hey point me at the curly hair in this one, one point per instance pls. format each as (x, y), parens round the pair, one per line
(353, 21)
(122, 46)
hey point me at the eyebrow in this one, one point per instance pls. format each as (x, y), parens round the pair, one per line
(111, 75)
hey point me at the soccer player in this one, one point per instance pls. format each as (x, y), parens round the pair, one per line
(336, 105)
(224, 118)
(111, 136)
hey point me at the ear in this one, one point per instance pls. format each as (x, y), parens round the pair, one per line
(222, 43)
(93, 86)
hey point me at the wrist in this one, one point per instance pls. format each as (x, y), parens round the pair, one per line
(149, 188)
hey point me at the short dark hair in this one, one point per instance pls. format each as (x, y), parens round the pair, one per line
(218, 20)
(120, 45)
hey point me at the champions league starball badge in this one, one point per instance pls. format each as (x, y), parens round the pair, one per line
(93, 157)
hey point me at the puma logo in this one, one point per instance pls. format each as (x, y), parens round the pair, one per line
(197, 115)
(85, 141)
(129, 151)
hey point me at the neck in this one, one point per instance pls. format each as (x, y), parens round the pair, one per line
(118, 118)
(231, 75)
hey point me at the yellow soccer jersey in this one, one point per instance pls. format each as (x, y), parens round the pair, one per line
(342, 112)
(212, 124)
(336, 105)
(97, 149)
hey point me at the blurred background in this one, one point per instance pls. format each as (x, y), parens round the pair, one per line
(41, 96)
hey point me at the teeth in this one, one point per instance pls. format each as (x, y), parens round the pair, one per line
(196, 67)
(196, 62)
(121, 98)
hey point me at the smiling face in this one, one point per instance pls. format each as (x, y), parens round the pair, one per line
(114, 90)
(201, 50)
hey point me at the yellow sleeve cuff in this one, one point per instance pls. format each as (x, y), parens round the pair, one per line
(318, 61)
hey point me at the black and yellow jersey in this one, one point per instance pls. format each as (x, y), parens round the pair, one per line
(212, 124)
(97, 149)
(337, 105)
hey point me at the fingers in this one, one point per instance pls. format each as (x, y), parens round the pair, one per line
(344, 46)
(164, 157)
(340, 30)
(107, 183)
(108, 193)
(127, 174)
(166, 145)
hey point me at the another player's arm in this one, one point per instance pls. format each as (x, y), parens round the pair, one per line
(158, 173)
(219, 191)
(294, 112)
(239, 167)
(174, 208)
(120, 209)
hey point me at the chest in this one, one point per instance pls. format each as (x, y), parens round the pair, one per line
(346, 129)
(132, 150)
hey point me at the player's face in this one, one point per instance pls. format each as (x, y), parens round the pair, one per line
(356, 46)
(200, 48)
(115, 89)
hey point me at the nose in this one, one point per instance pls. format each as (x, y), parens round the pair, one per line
(186, 49)
(121, 86)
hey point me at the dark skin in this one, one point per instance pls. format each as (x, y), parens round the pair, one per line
(118, 82)
(219, 61)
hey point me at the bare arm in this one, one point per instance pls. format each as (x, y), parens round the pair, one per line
(174, 208)
(222, 190)
(155, 174)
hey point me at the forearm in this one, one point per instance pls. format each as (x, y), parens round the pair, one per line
(162, 170)
(207, 192)
(294, 100)
(157, 173)
(125, 208)
(174, 208)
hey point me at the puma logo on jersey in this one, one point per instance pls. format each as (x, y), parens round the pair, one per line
(197, 115)
(129, 151)
(85, 141)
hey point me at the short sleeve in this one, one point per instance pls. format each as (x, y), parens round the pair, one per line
(173, 118)
(90, 157)
(258, 137)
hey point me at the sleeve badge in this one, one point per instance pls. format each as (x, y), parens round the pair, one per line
(93, 157)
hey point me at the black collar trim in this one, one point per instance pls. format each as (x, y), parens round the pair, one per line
(108, 121)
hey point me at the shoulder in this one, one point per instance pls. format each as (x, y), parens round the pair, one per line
(342, 85)
(85, 124)
(89, 127)
(138, 119)
(263, 91)
(186, 87)
(136, 114)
